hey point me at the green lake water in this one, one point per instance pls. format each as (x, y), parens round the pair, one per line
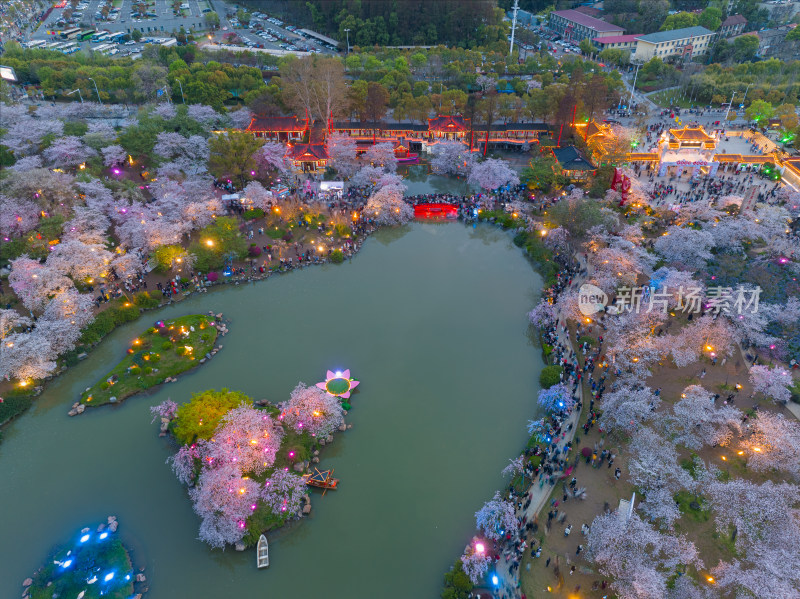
(429, 317)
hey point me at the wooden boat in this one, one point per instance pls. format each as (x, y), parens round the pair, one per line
(262, 552)
(321, 479)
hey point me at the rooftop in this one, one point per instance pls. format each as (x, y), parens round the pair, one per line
(676, 34)
(616, 39)
(448, 123)
(571, 159)
(587, 21)
(733, 20)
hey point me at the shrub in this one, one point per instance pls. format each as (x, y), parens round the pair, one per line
(180, 350)
(166, 345)
(212, 276)
(254, 250)
(342, 230)
(104, 385)
(148, 370)
(199, 417)
(253, 214)
(337, 257)
(13, 405)
(549, 376)
(586, 339)
(106, 321)
(143, 299)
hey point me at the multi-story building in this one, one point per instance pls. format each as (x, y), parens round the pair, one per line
(682, 43)
(576, 26)
(618, 42)
(732, 26)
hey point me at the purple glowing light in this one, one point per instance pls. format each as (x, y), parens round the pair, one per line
(117, 171)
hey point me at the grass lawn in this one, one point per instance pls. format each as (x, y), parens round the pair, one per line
(671, 97)
(164, 350)
(97, 557)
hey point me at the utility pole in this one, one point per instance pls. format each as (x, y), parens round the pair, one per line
(79, 94)
(513, 26)
(633, 87)
(347, 52)
(729, 107)
(181, 85)
(95, 89)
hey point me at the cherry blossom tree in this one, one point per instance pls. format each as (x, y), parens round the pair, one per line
(312, 410)
(127, 264)
(557, 240)
(97, 196)
(452, 158)
(677, 284)
(27, 133)
(773, 383)
(17, 216)
(69, 306)
(628, 406)
(773, 443)
(342, 154)
(283, 493)
(382, 156)
(638, 557)
(34, 283)
(515, 466)
(164, 111)
(185, 462)
(114, 155)
(475, 562)
(685, 246)
(246, 437)
(767, 525)
(100, 133)
(25, 356)
(704, 335)
(497, 518)
(367, 176)
(52, 191)
(187, 155)
(208, 116)
(260, 197)
(391, 180)
(79, 260)
(557, 399)
(224, 499)
(543, 315)
(27, 163)
(87, 225)
(697, 421)
(655, 470)
(272, 157)
(387, 207)
(11, 320)
(166, 409)
(492, 174)
(68, 152)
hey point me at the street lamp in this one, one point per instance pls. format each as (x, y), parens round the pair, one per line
(95, 89)
(181, 86)
(347, 52)
(79, 94)
(633, 87)
(729, 107)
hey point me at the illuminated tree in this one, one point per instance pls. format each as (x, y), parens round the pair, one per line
(628, 406)
(114, 155)
(492, 174)
(382, 156)
(452, 158)
(34, 283)
(17, 217)
(26, 356)
(11, 320)
(686, 247)
(387, 207)
(556, 399)
(68, 152)
(475, 561)
(543, 315)
(773, 383)
(697, 421)
(272, 157)
(79, 260)
(260, 197)
(774, 443)
(497, 518)
(638, 557)
(342, 153)
(311, 410)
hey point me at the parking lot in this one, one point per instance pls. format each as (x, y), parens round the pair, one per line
(160, 21)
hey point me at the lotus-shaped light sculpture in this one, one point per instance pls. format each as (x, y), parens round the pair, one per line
(338, 384)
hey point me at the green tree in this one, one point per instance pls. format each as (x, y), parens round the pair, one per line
(218, 242)
(540, 173)
(786, 113)
(679, 20)
(136, 35)
(166, 256)
(745, 47)
(457, 584)
(759, 111)
(587, 47)
(231, 155)
(199, 417)
(577, 216)
(212, 19)
(243, 16)
(550, 375)
(710, 18)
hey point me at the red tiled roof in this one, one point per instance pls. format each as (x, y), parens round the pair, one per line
(734, 20)
(587, 21)
(589, 10)
(448, 123)
(307, 152)
(276, 123)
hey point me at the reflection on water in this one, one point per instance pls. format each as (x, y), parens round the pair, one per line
(448, 382)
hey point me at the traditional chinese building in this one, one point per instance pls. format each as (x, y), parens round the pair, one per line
(308, 157)
(278, 128)
(572, 164)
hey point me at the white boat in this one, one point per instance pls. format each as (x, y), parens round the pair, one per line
(262, 552)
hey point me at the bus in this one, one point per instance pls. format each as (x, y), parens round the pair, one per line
(116, 37)
(99, 37)
(36, 44)
(68, 34)
(69, 48)
(86, 35)
(103, 47)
